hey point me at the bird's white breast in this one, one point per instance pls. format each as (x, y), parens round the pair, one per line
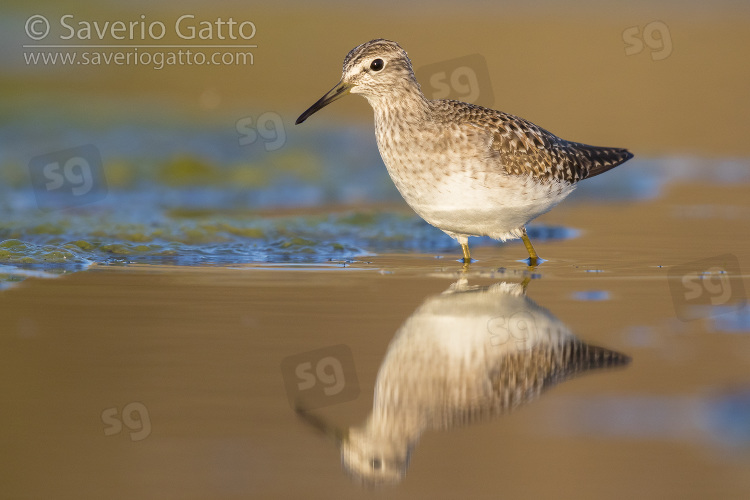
(458, 189)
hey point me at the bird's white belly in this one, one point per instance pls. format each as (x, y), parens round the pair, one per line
(467, 200)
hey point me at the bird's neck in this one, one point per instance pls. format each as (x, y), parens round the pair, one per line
(403, 427)
(404, 103)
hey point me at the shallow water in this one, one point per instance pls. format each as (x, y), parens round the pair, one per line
(201, 305)
(163, 381)
(193, 209)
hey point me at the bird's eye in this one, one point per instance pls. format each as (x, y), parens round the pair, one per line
(377, 65)
(375, 462)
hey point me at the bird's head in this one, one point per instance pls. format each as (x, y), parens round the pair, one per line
(376, 69)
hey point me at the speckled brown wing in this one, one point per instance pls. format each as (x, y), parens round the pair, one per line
(522, 148)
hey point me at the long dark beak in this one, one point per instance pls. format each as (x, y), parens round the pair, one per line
(337, 92)
(337, 434)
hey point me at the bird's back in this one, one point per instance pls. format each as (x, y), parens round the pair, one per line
(520, 147)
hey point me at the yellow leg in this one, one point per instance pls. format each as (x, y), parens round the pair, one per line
(467, 256)
(533, 257)
(526, 282)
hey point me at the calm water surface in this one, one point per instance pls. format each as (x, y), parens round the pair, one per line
(200, 300)
(620, 364)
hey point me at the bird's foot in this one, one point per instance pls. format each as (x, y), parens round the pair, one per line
(533, 262)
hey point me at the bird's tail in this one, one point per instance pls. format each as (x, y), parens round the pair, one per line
(577, 357)
(601, 159)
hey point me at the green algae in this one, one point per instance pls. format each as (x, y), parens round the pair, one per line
(298, 164)
(12, 243)
(83, 245)
(297, 242)
(249, 176)
(148, 233)
(20, 252)
(185, 170)
(359, 219)
(48, 228)
(245, 232)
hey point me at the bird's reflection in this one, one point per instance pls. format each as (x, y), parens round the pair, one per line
(465, 355)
